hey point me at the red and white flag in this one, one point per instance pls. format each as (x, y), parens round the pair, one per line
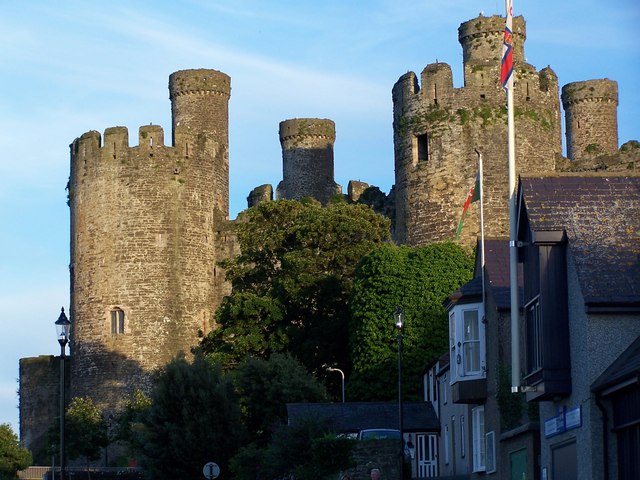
(506, 72)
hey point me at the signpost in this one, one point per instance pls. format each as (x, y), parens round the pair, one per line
(211, 470)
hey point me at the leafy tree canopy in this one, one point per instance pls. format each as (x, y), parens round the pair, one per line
(266, 386)
(12, 456)
(292, 281)
(193, 419)
(419, 280)
(308, 449)
(86, 429)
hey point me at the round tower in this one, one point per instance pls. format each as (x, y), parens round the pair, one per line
(438, 130)
(200, 114)
(307, 159)
(482, 39)
(147, 229)
(591, 118)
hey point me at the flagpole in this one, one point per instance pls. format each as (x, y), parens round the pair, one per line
(481, 187)
(507, 82)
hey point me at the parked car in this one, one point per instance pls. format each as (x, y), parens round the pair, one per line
(378, 434)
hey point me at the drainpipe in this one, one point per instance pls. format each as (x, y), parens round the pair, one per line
(605, 443)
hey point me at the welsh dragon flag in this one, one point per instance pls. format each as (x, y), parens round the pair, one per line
(474, 196)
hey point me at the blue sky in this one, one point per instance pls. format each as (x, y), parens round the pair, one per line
(74, 66)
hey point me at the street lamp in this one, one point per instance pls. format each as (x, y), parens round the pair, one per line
(63, 326)
(398, 316)
(331, 369)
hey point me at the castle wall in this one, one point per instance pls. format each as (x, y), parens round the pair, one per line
(591, 118)
(438, 128)
(40, 402)
(307, 159)
(148, 224)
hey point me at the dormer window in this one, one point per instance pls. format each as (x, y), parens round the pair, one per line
(117, 321)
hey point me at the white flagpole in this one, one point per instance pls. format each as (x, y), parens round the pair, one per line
(513, 252)
(481, 187)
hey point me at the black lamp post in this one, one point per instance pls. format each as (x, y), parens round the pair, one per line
(398, 316)
(63, 325)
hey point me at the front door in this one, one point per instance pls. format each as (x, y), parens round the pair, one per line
(518, 461)
(427, 455)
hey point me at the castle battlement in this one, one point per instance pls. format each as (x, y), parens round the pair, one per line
(591, 118)
(438, 128)
(199, 81)
(148, 227)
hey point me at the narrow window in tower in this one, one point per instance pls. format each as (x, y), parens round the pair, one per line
(117, 321)
(423, 147)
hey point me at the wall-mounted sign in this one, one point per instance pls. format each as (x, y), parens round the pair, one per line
(565, 420)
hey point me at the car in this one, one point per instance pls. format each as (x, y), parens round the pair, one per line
(379, 434)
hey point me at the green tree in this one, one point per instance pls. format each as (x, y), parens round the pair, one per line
(292, 282)
(308, 449)
(130, 423)
(419, 280)
(86, 429)
(13, 457)
(266, 386)
(194, 418)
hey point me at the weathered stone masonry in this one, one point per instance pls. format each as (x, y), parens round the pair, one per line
(147, 227)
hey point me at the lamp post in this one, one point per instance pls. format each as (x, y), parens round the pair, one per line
(63, 326)
(331, 369)
(398, 316)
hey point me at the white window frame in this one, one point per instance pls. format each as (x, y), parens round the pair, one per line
(479, 446)
(446, 444)
(463, 437)
(490, 449)
(459, 345)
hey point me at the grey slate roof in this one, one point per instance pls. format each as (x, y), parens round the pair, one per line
(625, 367)
(355, 416)
(496, 253)
(601, 217)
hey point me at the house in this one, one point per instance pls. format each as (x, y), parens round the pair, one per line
(579, 244)
(486, 430)
(420, 428)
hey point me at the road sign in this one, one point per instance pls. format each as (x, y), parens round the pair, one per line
(211, 470)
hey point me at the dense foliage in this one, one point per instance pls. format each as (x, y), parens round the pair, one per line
(193, 419)
(307, 449)
(86, 429)
(292, 282)
(419, 280)
(264, 387)
(12, 456)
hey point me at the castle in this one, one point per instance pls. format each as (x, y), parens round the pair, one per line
(149, 223)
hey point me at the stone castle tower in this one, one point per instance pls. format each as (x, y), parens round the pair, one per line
(591, 118)
(148, 223)
(437, 129)
(307, 159)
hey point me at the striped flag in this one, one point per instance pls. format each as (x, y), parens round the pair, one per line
(506, 72)
(474, 196)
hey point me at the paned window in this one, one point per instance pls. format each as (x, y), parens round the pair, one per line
(117, 321)
(467, 342)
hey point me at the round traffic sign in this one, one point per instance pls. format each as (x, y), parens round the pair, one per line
(211, 470)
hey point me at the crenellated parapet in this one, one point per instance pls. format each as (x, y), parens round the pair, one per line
(591, 118)
(149, 224)
(307, 159)
(438, 128)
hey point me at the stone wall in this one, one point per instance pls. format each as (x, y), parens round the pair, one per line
(148, 224)
(307, 159)
(40, 402)
(591, 118)
(438, 130)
